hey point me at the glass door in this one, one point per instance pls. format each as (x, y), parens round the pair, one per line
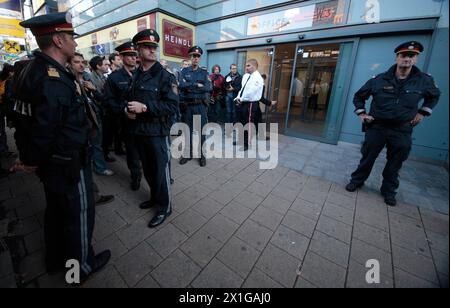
(317, 91)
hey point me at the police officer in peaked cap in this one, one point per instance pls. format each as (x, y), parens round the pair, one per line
(52, 139)
(195, 87)
(116, 89)
(152, 102)
(394, 113)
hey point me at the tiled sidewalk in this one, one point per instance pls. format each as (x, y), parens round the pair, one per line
(237, 226)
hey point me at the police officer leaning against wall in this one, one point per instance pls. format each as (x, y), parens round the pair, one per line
(393, 115)
(53, 141)
(152, 102)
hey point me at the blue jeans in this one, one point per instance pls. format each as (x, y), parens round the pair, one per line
(97, 151)
(231, 107)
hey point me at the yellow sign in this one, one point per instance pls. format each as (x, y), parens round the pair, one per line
(11, 27)
(12, 47)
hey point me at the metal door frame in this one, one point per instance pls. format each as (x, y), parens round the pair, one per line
(343, 98)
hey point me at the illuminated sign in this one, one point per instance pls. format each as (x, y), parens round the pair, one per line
(330, 13)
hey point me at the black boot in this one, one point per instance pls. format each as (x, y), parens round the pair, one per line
(390, 200)
(159, 219)
(184, 161)
(352, 187)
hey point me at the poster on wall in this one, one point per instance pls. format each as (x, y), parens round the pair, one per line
(10, 9)
(330, 13)
(11, 27)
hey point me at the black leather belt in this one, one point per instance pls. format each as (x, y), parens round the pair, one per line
(194, 102)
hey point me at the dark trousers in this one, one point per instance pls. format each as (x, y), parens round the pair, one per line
(191, 111)
(249, 113)
(155, 156)
(112, 132)
(214, 109)
(69, 223)
(133, 161)
(398, 143)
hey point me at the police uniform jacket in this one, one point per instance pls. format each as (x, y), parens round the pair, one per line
(158, 90)
(397, 101)
(116, 88)
(188, 84)
(47, 94)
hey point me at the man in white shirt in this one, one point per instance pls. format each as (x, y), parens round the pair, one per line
(249, 97)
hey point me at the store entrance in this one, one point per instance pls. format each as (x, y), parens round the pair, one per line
(312, 88)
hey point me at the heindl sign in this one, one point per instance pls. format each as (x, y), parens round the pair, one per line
(178, 40)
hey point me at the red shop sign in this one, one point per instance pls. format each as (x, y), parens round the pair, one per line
(177, 40)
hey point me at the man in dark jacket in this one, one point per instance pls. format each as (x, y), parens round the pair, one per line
(152, 102)
(233, 84)
(394, 113)
(53, 140)
(116, 89)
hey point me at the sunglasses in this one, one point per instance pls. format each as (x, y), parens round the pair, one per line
(196, 56)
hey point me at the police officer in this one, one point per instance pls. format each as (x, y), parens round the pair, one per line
(195, 86)
(153, 100)
(116, 89)
(55, 144)
(394, 113)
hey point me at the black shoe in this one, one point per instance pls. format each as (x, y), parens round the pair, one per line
(147, 205)
(244, 148)
(55, 270)
(110, 159)
(202, 162)
(235, 143)
(159, 219)
(104, 200)
(352, 187)
(172, 181)
(184, 161)
(100, 262)
(135, 184)
(390, 200)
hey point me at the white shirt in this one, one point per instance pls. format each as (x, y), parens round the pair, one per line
(253, 91)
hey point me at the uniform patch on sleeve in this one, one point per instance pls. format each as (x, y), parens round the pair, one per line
(53, 72)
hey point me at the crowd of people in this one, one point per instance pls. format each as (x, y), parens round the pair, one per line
(70, 114)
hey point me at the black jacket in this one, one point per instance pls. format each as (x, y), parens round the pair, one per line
(54, 120)
(158, 90)
(236, 83)
(396, 101)
(116, 89)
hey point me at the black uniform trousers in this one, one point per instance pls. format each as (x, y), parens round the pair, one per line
(196, 110)
(69, 222)
(398, 142)
(155, 156)
(133, 162)
(250, 113)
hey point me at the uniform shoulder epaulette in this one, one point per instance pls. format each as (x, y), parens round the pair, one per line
(53, 72)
